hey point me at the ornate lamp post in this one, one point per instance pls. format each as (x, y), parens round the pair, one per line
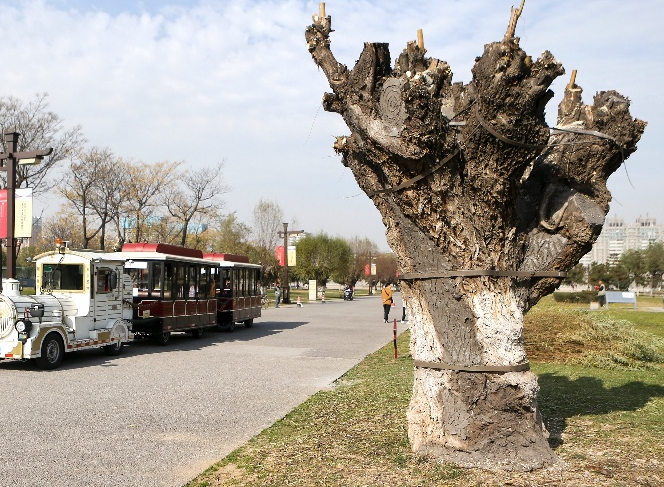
(8, 162)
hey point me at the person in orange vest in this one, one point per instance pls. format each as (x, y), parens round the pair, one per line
(386, 294)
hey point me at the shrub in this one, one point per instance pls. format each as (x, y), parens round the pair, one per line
(584, 297)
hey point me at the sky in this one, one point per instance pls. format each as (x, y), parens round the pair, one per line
(232, 80)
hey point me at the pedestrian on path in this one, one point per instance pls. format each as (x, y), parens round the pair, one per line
(277, 295)
(601, 294)
(386, 294)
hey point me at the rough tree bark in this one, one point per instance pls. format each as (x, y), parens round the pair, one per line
(485, 208)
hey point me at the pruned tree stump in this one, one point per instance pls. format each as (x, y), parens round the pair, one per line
(485, 207)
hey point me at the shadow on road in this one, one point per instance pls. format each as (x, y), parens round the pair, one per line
(178, 342)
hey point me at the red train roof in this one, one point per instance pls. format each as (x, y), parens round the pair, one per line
(162, 248)
(227, 257)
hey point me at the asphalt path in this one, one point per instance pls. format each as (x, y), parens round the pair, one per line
(159, 416)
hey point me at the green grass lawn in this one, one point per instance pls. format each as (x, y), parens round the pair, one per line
(606, 422)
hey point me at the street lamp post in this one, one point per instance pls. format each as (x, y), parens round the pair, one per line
(8, 162)
(285, 286)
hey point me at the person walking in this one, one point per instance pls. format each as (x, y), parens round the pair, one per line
(601, 294)
(386, 294)
(277, 295)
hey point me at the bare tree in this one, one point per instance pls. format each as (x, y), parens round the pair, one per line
(485, 211)
(364, 250)
(90, 187)
(386, 268)
(145, 185)
(230, 235)
(65, 226)
(268, 219)
(198, 195)
(39, 129)
(108, 195)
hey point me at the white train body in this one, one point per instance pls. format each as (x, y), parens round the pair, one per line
(82, 301)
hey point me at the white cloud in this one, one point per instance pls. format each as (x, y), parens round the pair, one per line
(233, 80)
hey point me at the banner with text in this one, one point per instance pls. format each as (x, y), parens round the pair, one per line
(292, 260)
(22, 213)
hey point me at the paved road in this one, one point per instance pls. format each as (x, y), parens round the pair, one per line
(159, 416)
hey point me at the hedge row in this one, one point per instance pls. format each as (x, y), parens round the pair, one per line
(578, 297)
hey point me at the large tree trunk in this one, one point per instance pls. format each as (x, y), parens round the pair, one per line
(485, 210)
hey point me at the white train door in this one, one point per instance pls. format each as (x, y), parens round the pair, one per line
(107, 295)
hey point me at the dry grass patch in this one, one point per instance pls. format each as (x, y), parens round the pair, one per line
(604, 339)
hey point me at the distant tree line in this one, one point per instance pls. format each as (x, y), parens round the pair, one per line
(640, 268)
(343, 261)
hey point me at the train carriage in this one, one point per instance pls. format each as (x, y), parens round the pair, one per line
(173, 290)
(237, 284)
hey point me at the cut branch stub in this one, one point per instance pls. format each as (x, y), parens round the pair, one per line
(514, 17)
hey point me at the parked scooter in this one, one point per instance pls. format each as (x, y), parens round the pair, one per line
(348, 293)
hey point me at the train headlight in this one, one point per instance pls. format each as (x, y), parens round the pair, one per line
(23, 327)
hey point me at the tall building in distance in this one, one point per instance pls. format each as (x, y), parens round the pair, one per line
(618, 236)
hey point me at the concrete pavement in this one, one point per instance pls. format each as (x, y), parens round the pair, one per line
(158, 416)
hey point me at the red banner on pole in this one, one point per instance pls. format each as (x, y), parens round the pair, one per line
(3, 213)
(280, 255)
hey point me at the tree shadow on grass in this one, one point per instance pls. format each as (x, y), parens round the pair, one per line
(561, 398)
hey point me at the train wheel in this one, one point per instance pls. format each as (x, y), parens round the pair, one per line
(228, 326)
(162, 338)
(52, 352)
(249, 323)
(197, 333)
(114, 348)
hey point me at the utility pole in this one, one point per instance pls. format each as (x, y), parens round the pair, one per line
(8, 162)
(285, 286)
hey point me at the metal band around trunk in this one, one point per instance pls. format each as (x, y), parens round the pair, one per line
(411, 276)
(413, 180)
(473, 368)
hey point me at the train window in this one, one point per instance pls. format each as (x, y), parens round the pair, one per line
(65, 277)
(104, 285)
(227, 285)
(168, 280)
(227, 282)
(140, 279)
(243, 282)
(250, 282)
(256, 275)
(204, 282)
(192, 280)
(180, 278)
(156, 278)
(214, 281)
